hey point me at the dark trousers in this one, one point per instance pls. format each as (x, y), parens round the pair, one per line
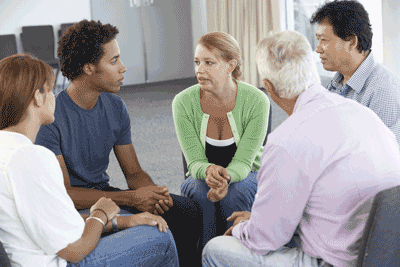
(191, 224)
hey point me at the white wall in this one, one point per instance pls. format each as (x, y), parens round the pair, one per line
(391, 35)
(374, 9)
(14, 14)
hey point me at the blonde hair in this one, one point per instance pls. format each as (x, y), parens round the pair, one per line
(226, 47)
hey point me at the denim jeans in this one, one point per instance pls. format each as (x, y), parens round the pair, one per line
(137, 246)
(229, 251)
(240, 197)
(190, 222)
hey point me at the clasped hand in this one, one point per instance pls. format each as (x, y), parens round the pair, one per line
(217, 178)
(154, 199)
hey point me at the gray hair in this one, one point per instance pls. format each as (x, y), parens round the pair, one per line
(286, 60)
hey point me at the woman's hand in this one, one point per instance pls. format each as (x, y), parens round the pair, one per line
(108, 206)
(215, 195)
(147, 218)
(217, 176)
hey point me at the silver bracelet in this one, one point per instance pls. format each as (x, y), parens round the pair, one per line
(114, 223)
(98, 219)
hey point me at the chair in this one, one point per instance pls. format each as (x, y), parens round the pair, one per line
(4, 261)
(8, 45)
(380, 244)
(185, 168)
(39, 41)
(63, 29)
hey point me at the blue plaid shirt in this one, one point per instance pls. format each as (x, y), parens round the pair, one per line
(376, 87)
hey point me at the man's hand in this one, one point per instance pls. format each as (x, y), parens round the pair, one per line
(216, 176)
(237, 217)
(215, 195)
(146, 198)
(163, 205)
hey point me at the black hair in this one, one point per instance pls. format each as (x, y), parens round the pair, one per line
(348, 18)
(81, 44)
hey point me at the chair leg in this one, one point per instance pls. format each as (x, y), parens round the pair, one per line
(55, 80)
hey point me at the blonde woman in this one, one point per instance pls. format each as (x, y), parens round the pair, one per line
(221, 123)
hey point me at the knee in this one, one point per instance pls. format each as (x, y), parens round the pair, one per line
(245, 188)
(193, 188)
(216, 247)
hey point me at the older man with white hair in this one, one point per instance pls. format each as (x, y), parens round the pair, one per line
(319, 171)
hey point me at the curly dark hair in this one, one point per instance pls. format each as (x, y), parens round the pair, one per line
(81, 44)
(348, 18)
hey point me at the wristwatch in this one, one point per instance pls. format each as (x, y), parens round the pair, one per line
(114, 223)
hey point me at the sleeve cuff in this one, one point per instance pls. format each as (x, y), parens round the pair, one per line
(234, 176)
(238, 231)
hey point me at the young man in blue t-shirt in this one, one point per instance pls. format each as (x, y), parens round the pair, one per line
(90, 121)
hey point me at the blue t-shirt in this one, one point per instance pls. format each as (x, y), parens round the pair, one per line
(85, 137)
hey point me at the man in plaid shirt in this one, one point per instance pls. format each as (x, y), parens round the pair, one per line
(344, 43)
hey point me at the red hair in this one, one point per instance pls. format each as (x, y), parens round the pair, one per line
(20, 77)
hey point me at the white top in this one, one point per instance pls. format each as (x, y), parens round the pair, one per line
(320, 170)
(220, 143)
(37, 218)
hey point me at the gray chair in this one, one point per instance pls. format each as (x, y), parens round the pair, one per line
(380, 244)
(4, 261)
(185, 168)
(8, 45)
(39, 41)
(63, 29)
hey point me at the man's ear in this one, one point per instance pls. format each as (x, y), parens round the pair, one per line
(270, 88)
(89, 69)
(353, 42)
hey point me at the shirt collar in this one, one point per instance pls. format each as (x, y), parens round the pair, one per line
(357, 80)
(336, 80)
(312, 93)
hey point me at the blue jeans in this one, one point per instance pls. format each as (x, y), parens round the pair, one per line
(137, 246)
(240, 197)
(190, 222)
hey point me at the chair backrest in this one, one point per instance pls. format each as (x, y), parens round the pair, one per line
(380, 244)
(38, 40)
(8, 45)
(4, 261)
(185, 168)
(63, 29)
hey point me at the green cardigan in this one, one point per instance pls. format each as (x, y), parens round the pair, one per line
(248, 121)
